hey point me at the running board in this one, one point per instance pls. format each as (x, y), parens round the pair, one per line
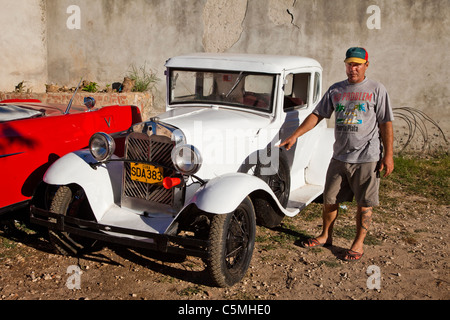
(303, 196)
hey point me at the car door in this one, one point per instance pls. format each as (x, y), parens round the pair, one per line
(302, 91)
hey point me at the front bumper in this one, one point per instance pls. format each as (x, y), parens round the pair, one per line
(91, 229)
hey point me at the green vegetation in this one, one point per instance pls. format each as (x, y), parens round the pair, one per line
(349, 232)
(283, 236)
(192, 291)
(427, 177)
(91, 87)
(144, 79)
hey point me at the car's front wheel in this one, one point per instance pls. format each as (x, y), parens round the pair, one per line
(73, 203)
(232, 240)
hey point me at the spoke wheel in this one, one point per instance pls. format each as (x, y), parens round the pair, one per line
(232, 240)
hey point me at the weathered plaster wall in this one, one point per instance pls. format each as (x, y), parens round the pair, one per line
(23, 44)
(408, 46)
(223, 24)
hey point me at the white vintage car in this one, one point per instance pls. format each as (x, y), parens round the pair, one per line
(198, 178)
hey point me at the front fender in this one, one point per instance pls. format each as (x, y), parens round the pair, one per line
(97, 183)
(223, 194)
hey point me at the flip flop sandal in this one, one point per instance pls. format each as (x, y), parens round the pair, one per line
(353, 255)
(313, 242)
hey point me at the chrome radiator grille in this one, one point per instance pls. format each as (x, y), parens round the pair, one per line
(155, 149)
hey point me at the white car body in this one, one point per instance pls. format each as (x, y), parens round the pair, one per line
(232, 138)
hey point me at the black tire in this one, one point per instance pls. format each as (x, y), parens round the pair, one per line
(232, 240)
(280, 183)
(70, 203)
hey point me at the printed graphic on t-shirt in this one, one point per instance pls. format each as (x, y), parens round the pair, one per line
(349, 110)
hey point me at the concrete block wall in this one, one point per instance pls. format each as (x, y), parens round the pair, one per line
(24, 44)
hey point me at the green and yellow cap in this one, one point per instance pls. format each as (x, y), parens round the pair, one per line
(357, 55)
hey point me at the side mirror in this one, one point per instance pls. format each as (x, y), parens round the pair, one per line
(89, 102)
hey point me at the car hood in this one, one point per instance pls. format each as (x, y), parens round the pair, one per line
(214, 124)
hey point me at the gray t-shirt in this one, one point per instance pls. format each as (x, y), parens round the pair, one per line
(359, 109)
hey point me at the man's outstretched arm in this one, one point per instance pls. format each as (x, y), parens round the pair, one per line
(309, 123)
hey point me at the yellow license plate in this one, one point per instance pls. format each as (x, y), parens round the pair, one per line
(146, 173)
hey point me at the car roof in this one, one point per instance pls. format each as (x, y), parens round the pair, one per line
(241, 62)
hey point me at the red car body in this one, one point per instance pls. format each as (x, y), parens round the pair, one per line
(28, 146)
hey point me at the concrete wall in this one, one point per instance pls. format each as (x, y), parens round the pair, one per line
(407, 40)
(23, 44)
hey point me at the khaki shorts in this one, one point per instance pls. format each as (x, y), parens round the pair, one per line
(347, 180)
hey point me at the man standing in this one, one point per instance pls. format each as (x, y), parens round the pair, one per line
(363, 116)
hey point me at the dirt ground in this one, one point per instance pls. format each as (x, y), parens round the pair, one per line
(407, 247)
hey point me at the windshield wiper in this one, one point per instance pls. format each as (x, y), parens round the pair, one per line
(238, 80)
(71, 100)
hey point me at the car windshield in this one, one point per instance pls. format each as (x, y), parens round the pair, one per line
(239, 89)
(12, 112)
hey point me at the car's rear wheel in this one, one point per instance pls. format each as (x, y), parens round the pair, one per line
(232, 240)
(73, 203)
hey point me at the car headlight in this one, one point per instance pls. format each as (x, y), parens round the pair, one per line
(186, 159)
(102, 146)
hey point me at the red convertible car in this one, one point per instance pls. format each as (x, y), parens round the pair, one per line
(33, 135)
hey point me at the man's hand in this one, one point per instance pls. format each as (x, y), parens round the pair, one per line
(288, 143)
(387, 164)
(309, 123)
(387, 136)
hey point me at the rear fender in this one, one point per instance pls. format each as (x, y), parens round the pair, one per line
(224, 194)
(74, 168)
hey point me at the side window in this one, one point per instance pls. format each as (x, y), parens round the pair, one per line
(317, 87)
(296, 91)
